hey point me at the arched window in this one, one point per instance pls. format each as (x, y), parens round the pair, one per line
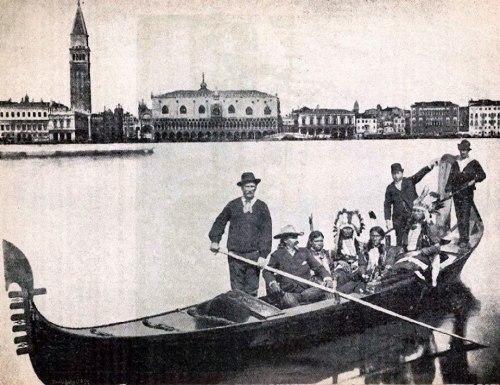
(216, 111)
(164, 110)
(249, 111)
(201, 110)
(267, 111)
(183, 110)
(231, 109)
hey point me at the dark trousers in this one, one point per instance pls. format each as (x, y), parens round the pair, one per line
(463, 204)
(243, 276)
(310, 295)
(400, 228)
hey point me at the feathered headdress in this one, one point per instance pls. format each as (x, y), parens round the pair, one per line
(426, 201)
(352, 219)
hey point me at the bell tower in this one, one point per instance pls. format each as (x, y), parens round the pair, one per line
(80, 64)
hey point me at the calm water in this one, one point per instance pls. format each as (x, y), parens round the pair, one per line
(119, 238)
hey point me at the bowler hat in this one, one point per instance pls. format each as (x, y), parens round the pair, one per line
(464, 145)
(286, 231)
(248, 177)
(396, 167)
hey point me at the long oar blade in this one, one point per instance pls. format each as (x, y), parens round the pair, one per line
(351, 298)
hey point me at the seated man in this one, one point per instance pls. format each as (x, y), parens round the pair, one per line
(340, 271)
(376, 257)
(299, 262)
(422, 244)
(348, 227)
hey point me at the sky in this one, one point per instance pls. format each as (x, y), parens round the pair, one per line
(326, 53)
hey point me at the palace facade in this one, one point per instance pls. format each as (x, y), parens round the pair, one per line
(36, 122)
(434, 118)
(205, 114)
(325, 122)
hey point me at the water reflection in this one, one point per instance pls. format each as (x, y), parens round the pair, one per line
(395, 352)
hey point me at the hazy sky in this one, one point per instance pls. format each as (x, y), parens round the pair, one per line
(323, 53)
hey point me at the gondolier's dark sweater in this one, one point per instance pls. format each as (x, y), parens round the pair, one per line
(247, 231)
(458, 179)
(401, 201)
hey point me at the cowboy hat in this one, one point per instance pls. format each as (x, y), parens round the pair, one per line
(287, 231)
(248, 177)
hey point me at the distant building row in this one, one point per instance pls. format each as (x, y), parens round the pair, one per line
(438, 118)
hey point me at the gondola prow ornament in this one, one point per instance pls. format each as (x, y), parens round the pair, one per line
(17, 270)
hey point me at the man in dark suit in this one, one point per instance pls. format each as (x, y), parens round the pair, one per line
(464, 174)
(399, 197)
(299, 262)
(250, 234)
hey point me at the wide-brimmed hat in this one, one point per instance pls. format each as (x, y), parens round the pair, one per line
(287, 231)
(396, 167)
(464, 145)
(248, 177)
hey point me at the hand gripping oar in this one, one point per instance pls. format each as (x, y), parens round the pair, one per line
(449, 196)
(348, 297)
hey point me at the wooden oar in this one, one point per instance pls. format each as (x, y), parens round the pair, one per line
(348, 297)
(449, 196)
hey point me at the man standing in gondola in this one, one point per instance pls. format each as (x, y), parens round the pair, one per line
(250, 234)
(464, 174)
(399, 197)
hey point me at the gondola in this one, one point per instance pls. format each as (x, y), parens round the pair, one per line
(212, 334)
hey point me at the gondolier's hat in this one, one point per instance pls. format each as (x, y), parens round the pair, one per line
(464, 145)
(287, 231)
(248, 177)
(396, 167)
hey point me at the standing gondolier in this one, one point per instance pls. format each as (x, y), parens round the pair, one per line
(250, 234)
(399, 197)
(464, 174)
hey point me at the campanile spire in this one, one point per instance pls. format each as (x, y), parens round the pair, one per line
(80, 64)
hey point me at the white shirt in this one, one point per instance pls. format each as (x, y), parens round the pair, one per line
(462, 163)
(398, 184)
(348, 247)
(413, 237)
(373, 258)
(247, 205)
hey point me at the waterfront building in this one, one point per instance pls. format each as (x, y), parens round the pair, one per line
(61, 123)
(214, 115)
(325, 122)
(36, 122)
(108, 126)
(131, 128)
(289, 123)
(80, 75)
(366, 124)
(463, 120)
(484, 117)
(146, 122)
(391, 120)
(434, 118)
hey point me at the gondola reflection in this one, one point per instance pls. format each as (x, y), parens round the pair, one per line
(394, 352)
